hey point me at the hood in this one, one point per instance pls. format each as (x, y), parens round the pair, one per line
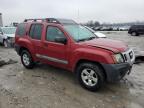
(10, 35)
(109, 44)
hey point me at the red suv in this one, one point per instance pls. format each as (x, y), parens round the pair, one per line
(64, 43)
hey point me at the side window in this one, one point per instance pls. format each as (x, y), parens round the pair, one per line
(21, 30)
(53, 32)
(36, 31)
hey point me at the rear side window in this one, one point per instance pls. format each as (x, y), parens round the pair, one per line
(36, 31)
(21, 30)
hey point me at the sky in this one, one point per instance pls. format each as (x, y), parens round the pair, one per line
(108, 11)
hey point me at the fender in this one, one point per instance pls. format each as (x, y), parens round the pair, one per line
(26, 43)
(95, 55)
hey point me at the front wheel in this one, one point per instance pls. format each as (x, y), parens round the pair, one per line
(90, 76)
(27, 60)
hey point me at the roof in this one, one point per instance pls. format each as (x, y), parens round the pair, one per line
(52, 20)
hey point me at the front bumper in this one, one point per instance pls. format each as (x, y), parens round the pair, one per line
(116, 72)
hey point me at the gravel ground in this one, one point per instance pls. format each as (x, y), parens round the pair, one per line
(49, 87)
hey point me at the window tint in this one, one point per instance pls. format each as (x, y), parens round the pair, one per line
(36, 31)
(79, 32)
(32, 30)
(53, 32)
(21, 30)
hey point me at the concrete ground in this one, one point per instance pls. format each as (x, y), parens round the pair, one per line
(49, 87)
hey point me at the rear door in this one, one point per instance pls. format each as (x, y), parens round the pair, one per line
(35, 34)
(140, 29)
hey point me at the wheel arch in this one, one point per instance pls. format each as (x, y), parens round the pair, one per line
(21, 49)
(89, 61)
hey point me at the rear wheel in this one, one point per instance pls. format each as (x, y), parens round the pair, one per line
(134, 34)
(90, 76)
(26, 59)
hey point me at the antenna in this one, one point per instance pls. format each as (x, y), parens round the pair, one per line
(78, 23)
(78, 15)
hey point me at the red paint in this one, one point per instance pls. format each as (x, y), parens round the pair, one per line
(97, 50)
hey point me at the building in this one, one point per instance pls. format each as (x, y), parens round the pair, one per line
(1, 22)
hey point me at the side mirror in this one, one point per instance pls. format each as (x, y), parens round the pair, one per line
(62, 40)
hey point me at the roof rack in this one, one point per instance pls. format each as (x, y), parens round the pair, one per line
(49, 20)
(52, 20)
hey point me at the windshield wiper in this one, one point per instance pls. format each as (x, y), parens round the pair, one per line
(91, 38)
(81, 40)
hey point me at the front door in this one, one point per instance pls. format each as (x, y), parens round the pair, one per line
(55, 52)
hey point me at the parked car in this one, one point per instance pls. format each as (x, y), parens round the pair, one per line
(115, 28)
(136, 30)
(124, 28)
(97, 34)
(97, 28)
(7, 35)
(104, 28)
(68, 45)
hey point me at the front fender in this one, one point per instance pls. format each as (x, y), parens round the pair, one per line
(99, 55)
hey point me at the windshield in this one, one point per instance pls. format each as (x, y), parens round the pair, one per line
(90, 29)
(9, 30)
(79, 33)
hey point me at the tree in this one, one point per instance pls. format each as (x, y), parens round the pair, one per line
(92, 23)
(96, 24)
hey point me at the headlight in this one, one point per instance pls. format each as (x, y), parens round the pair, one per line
(118, 58)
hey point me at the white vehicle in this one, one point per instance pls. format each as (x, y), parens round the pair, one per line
(98, 34)
(7, 35)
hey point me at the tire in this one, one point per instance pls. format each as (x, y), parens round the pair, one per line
(90, 76)
(26, 59)
(134, 34)
(5, 43)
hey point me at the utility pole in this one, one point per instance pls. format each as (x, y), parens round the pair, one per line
(1, 21)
